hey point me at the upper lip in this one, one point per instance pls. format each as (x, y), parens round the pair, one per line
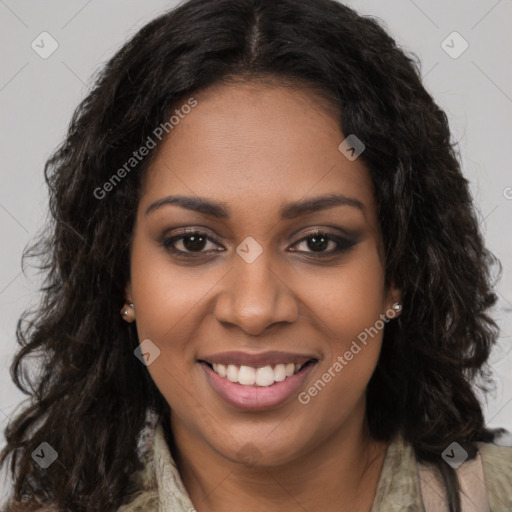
(257, 360)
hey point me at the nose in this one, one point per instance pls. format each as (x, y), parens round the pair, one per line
(255, 297)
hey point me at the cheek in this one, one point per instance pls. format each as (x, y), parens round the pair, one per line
(349, 298)
(349, 304)
(162, 302)
(167, 296)
(171, 302)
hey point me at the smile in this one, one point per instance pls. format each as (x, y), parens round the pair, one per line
(252, 388)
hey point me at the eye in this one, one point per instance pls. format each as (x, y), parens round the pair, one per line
(318, 241)
(189, 242)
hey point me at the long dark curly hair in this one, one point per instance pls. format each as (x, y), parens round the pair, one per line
(89, 396)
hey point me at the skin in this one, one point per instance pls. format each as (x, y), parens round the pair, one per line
(253, 147)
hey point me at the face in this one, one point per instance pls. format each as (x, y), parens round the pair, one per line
(249, 277)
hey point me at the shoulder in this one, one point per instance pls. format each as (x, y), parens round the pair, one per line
(497, 468)
(485, 480)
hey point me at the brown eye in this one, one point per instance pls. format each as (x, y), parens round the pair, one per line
(318, 241)
(188, 242)
(194, 242)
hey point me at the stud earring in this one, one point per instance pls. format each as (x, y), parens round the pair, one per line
(397, 307)
(128, 312)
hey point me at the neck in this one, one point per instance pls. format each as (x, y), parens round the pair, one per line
(340, 473)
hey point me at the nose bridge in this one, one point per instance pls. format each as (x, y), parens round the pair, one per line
(255, 296)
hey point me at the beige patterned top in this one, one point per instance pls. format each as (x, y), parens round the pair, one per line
(398, 489)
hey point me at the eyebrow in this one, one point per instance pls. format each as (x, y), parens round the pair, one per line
(287, 211)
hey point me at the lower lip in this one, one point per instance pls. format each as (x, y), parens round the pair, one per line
(256, 398)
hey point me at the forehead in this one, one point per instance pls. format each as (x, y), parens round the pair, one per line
(256, 146)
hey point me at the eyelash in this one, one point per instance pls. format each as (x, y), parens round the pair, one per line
(343, 244)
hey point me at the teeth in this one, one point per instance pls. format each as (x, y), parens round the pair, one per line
(279, 372)
(221, 370)
(247, 376)
(232, 373)
(264, 376)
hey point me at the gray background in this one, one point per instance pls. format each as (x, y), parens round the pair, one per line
(38, 96)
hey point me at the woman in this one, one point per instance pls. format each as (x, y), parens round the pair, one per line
(266, 285)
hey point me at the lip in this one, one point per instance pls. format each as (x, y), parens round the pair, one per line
(256, 398)
(257, 360)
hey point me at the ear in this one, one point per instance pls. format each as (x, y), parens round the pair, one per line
(393, 294)
(128, 309)
(128, 295)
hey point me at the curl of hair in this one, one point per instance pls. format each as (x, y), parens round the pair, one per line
(90, 396)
